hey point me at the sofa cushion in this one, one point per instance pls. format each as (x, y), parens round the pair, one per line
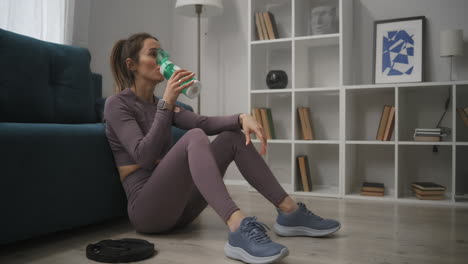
(43, 82)
(56, 177)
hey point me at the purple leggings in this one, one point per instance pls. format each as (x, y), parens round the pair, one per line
(190, 176)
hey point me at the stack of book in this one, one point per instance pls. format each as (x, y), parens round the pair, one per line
(305, 124)
(266, 26)
(387, 123)
(263, 116)
(304, 172)
(463, 113)
(428, 190)
(430, 134)
(372, 189)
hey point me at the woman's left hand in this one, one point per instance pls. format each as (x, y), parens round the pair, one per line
(250, 125)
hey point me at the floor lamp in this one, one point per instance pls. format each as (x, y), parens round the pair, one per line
(199, 8)
(451, 44)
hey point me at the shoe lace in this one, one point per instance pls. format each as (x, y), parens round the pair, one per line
(306, 211)
(256, 231)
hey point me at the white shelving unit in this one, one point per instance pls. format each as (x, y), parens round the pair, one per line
(345, 116)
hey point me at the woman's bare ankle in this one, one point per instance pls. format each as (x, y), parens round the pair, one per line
(288, 205)
(234, 220)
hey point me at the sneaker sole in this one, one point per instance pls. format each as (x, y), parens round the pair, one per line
(242, 255)
(302, 231)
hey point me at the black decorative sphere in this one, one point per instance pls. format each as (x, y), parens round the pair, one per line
(277, 79)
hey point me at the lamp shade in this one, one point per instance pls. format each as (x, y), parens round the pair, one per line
(451, 42)
(209, 7)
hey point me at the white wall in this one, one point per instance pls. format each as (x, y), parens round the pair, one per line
(81, 23)
(111, 20)
(440, 15)
(224, 42)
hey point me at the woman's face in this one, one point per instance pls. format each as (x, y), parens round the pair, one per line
(146, 68)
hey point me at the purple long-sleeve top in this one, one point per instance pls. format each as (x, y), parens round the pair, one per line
(139, 133)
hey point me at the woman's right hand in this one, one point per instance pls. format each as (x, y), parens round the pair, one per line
(173, 88)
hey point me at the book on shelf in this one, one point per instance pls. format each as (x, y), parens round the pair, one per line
(426, 138)
(271, 125)
(260, 34)
(266, 126)
(302, 124)
(423, 192)
(386, 124)
(304, 172)
(428, 190)
(390, 125)
(257, 115)
(428, 186)
(463, 114)
(266, 26)
(263, 25)
(430, 197)
(307, 132)
(364, 193)
(423, 133)
(274, 25)
(372, 189)
(440, 131)
(437, 130)
(264, 117)
(431, 134)
(269, 26)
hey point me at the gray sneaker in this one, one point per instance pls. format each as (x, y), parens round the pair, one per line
(303, 222)
(250, 244)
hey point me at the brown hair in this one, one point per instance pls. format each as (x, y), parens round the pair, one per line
(123, 49)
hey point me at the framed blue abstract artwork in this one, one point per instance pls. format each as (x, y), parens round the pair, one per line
(399, 50)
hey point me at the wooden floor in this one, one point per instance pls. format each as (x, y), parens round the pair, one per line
(372, 232)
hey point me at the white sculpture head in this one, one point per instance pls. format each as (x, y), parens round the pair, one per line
(323, 20)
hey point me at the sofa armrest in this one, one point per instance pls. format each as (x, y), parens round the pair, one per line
(57, 176)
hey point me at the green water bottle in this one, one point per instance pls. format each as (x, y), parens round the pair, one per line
(167, 68)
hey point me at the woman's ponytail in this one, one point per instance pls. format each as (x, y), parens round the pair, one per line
(118, 66)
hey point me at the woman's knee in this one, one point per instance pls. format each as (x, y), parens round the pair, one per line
(196, 135)
(232, 135)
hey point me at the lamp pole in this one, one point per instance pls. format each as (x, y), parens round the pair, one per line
(198, 10)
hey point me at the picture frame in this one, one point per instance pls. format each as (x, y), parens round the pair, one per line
(399, 50)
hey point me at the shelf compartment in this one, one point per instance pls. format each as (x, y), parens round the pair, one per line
(267, 57)
(462, 101)
(422, 107)
(324, 114)
(363, 112)
(461, 174)
(421, 164)
(281, 10)
(323, 168)
(278, 158)
(371, 163)
(326, 18)
(280, 105)
(317, 62)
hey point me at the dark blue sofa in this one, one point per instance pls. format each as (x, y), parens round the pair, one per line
(57, 170)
